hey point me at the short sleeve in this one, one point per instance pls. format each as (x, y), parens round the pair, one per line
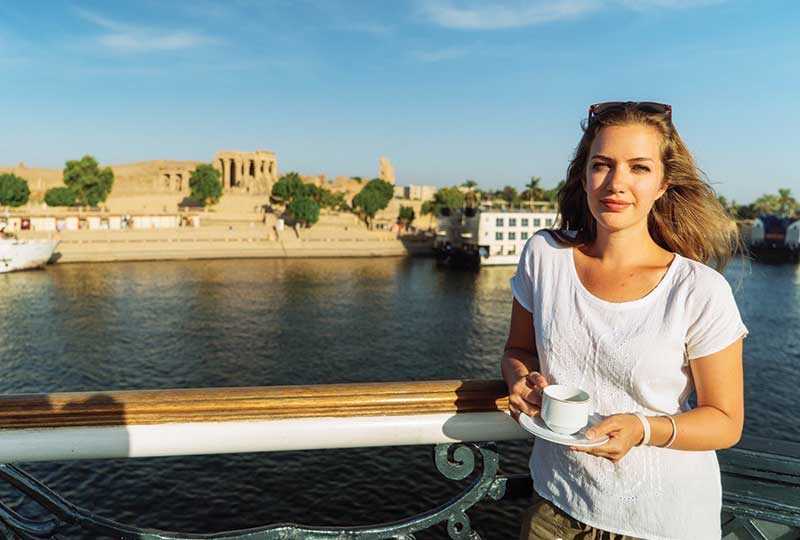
(522, 282)
(716, 322)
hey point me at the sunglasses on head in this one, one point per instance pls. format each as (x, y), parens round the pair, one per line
(643, 106)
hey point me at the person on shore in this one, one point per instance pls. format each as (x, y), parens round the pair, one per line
(618, 301)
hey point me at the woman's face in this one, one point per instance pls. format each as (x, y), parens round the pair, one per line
(624, 176)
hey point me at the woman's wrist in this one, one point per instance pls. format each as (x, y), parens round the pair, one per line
(661, 430)
(646, 431)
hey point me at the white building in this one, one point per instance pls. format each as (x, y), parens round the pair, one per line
(495, 237)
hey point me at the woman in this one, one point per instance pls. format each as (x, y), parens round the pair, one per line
(620, 303)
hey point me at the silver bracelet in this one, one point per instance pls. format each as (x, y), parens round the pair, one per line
(646, 426)
(674, 431)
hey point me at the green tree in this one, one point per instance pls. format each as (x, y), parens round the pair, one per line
(14, 190)
(288, 187)
(429, 209)
(472, 195)
(304, 209)
(533, 191)
(448, 199)
(205, 185)
(729, 206)
(551, 195)
(60, 196)
(372, 198)
(510, 195)
(746, 211)
(90, 183)
(782, 204)
(767, 204)
(787, 205)
(329, 199)
(406, 215)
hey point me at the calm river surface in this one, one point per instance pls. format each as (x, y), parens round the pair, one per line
(284, 322)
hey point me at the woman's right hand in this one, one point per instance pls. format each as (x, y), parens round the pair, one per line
(525, 394)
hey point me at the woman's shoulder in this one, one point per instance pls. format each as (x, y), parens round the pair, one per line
(553, 238)
(700, 277)
(542, 242)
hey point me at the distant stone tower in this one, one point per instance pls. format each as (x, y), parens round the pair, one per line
(386, 173)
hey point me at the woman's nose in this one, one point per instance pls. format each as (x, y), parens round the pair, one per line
(617, 180)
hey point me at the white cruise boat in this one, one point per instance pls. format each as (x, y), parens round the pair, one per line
(18, 254)
(488, 237)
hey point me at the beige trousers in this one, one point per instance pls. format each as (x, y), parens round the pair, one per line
(545, 521)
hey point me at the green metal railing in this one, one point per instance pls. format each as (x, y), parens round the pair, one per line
(761, 501)
(760, 477)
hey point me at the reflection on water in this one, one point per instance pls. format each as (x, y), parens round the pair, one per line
(278, 322)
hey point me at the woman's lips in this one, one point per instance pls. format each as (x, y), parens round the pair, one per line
(615, 206)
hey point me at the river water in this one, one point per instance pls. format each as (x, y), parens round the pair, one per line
(192, 324)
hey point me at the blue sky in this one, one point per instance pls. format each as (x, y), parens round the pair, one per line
(447, 89)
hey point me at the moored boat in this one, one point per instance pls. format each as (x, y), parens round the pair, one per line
(775, 239)
(472, 238)
(18, 254)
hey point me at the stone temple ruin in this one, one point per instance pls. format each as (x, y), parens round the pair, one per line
(176, 180)
(240, 172)
(247, 172)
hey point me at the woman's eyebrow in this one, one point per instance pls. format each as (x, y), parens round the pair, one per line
(601, 156)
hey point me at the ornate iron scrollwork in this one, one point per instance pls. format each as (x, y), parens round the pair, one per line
(455, 461)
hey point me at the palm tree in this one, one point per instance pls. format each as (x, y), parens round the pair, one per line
(470, 197)
(767, 204)
(534, 191)
(429, 208)
(786, 203)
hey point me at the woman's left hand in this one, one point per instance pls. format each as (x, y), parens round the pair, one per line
(624, 431)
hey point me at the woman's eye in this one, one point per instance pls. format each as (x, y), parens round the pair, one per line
(641, 168)
(598, 165)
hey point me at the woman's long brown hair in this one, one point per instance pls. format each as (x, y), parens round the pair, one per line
(688, 219)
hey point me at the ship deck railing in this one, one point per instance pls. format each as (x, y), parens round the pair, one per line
(462, 419)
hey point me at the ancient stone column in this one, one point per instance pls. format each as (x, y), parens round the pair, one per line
(221, 164)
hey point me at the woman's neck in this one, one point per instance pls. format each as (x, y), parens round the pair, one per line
(628, 247)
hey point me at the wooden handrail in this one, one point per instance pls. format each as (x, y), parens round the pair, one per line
(131, 407)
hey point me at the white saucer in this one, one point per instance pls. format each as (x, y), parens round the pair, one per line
(537, 426)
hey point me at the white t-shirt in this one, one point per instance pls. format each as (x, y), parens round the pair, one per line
(630, 357)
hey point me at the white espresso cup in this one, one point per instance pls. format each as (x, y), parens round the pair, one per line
(565, 409)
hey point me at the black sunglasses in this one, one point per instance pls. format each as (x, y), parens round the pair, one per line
(643, 106)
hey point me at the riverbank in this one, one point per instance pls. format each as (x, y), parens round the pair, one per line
(230, 241)
(219, 243)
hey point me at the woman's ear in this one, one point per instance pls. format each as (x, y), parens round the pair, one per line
(663, 189)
